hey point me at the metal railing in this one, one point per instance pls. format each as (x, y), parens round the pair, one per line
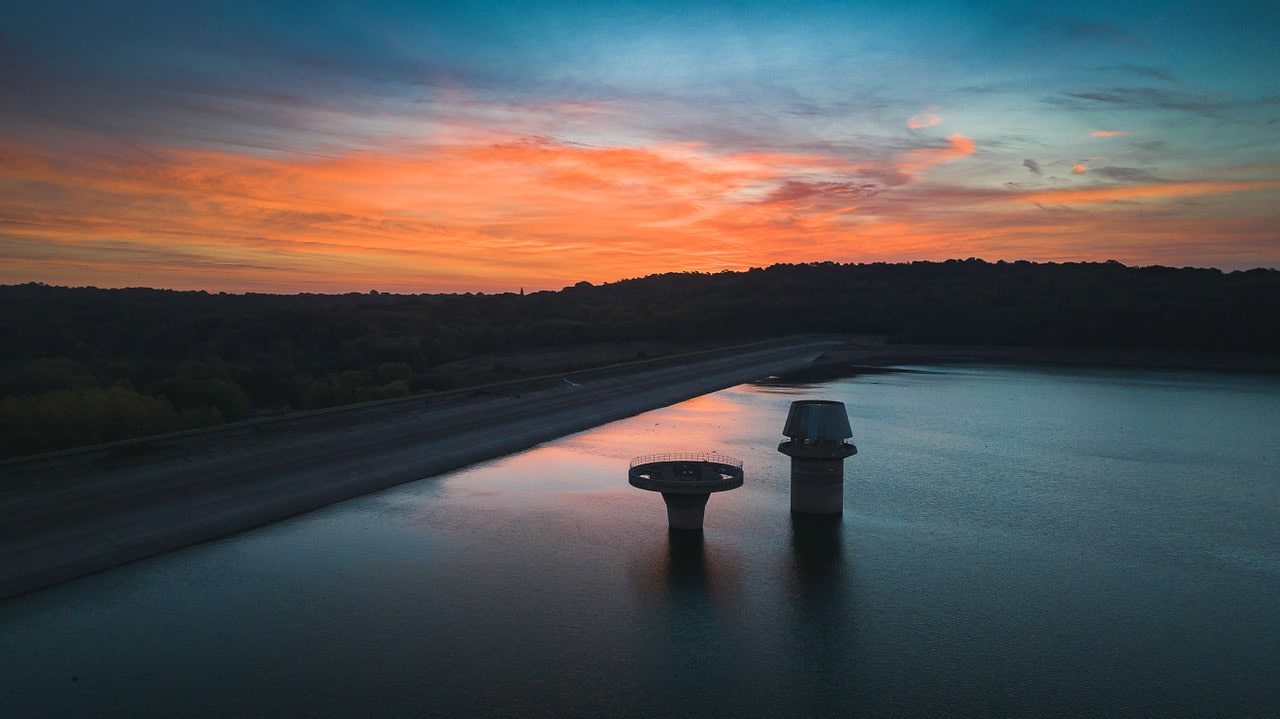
(712, 457)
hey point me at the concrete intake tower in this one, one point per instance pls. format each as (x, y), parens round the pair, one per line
(817, 430)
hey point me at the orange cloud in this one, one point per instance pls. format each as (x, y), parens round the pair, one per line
(485, 211)
(1143, 192)
(509, 214)
(929, 118)
(1078, 169)
(957, 147)
(1108, 133)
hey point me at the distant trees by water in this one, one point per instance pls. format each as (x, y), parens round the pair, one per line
(86, 365)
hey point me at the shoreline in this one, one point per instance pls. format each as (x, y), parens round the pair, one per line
(69, 514)
(878, 354)
(78, 512)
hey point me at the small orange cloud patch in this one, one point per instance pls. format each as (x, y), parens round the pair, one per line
(1144, 192)
(928, 118)
(916, 161)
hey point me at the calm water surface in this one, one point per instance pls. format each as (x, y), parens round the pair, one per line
(1016, 542)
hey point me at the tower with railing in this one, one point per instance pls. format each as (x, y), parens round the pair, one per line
(686, 481)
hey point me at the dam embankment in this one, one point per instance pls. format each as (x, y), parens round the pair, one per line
(70, 514)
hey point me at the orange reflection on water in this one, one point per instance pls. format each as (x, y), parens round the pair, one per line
(696, 425)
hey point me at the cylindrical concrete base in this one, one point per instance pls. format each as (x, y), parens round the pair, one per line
(817, 485)
(817, 498)
(684, 511)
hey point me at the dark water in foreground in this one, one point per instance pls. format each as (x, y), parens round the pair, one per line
(1016, 542)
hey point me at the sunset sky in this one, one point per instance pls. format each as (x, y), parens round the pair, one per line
(472, 146)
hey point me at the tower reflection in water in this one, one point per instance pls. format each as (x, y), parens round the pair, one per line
(686, 562)
(681, 570)
(817, 553)
(824, 620)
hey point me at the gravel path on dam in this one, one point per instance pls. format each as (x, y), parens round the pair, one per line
(70, 514)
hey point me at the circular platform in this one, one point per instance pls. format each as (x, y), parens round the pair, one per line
(686, 473)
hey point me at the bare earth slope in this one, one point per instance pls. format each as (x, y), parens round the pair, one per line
(74, 513)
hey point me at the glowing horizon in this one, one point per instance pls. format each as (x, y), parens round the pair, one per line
(600, 157)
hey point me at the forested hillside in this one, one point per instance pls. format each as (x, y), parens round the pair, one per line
(85, 365)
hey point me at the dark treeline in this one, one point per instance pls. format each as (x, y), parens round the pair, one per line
(85, 365)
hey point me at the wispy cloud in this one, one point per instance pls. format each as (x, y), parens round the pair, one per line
(1077, 29)
(1131, 175)
(1139, 98)
(1143, 192)
(918, 160)
(928, 118)
(1143, 71)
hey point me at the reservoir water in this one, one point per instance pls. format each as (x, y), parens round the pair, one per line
(1015, 542)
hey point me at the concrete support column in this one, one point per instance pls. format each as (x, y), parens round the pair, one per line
(685, 511)
(817, 485)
